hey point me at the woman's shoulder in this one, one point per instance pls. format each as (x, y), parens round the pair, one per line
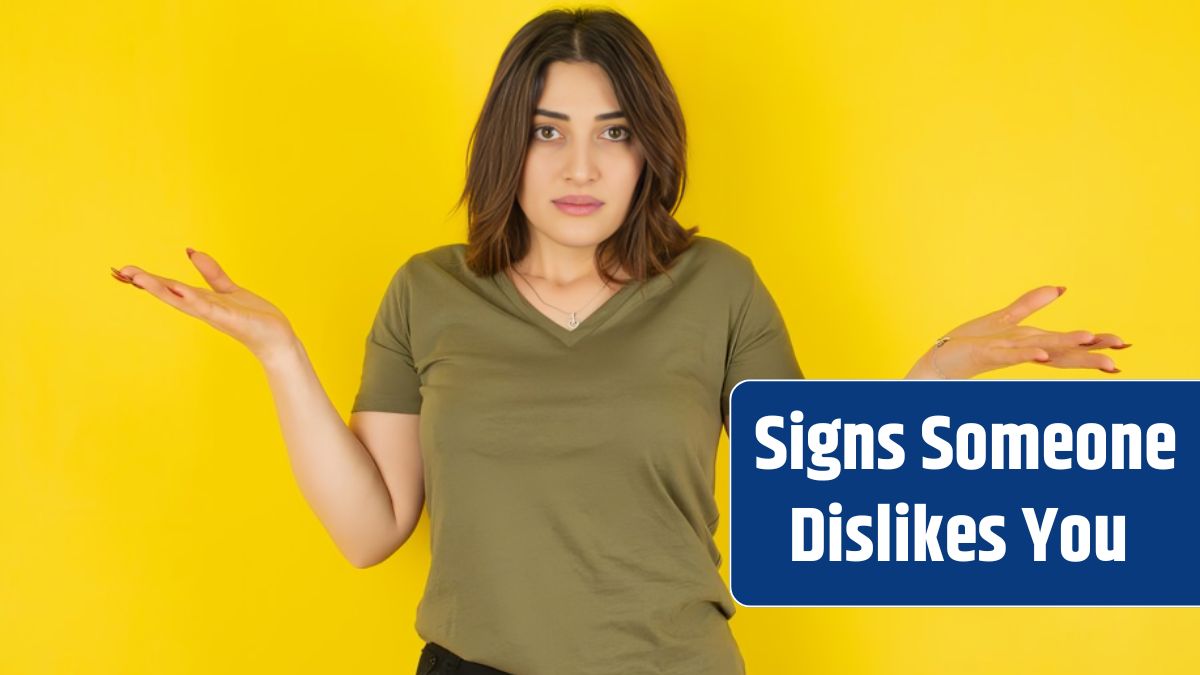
(426, 269)
(445, 256)
(721, 258)
(433, 263)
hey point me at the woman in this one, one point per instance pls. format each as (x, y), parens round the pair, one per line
(554, 390)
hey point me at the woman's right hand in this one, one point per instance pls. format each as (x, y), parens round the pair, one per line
(229, 308)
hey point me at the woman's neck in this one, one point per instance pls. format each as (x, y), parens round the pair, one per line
(560, 266)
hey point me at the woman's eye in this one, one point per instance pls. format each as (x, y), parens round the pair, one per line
(624, 130)
(540, 133)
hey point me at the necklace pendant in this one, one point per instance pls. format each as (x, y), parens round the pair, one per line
(571, 323)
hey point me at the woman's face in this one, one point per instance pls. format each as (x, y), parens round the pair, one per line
(573, 153)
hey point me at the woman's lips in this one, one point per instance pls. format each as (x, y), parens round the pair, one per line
(578, 209)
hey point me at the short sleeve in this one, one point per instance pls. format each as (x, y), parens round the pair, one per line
(390, 382)
(759, 346)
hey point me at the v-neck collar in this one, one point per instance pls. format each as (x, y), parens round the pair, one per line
(566, 335)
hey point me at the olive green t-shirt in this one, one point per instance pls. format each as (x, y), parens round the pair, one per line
(569, 473)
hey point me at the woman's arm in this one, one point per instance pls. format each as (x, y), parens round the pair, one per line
(351, 486)
(341, 480)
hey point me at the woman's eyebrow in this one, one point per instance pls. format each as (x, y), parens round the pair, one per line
(561, 116)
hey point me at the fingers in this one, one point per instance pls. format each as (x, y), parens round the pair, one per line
(1002, 357)
(1030, 302)
(1106, 341)
(1074, 349)
(1072, 341)
(1078, 357)
(212, 272)
(1057, 341)
(174, 293)
(1083, 359)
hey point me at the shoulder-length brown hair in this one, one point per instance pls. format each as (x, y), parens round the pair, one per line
(650, 238)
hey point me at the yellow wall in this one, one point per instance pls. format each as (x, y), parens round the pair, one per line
(893, 168)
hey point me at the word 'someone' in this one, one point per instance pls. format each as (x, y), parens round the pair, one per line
(831, 447)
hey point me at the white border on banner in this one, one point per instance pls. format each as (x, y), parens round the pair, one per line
(729, 519)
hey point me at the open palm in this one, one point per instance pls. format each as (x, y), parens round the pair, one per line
(231, 309)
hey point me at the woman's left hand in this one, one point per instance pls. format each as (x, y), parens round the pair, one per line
(995, 341)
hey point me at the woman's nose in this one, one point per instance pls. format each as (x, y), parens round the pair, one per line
(581, 164)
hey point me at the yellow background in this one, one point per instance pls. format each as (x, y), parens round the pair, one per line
(893, 168)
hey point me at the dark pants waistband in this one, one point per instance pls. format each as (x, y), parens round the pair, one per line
(437, 659)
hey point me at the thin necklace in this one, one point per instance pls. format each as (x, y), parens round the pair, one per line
(572, 322)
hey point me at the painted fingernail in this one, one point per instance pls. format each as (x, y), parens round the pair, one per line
(118, 274)
(1042, 360)
(1130, 344)
(1089, 344)
(1114, 370)
(1062, 289)
(190, 251)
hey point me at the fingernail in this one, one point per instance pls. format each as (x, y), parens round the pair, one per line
(1089, 344)
(1062, 289)
(1114, 370)
(118, 274)
(1130, 344)
(1042, 360)
(190, 251)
